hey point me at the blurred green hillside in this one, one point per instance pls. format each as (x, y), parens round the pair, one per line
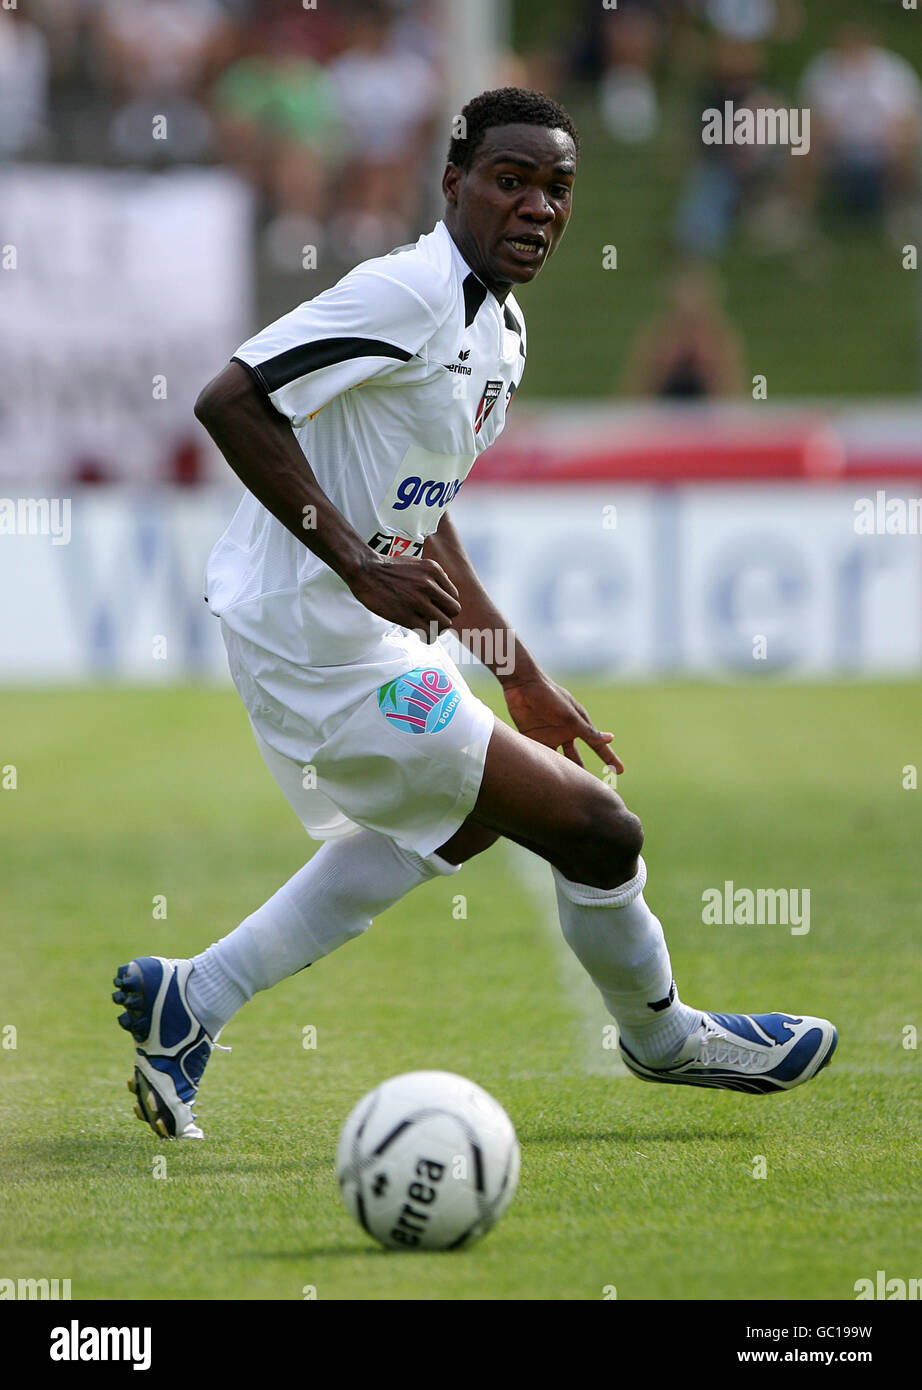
(836, 315)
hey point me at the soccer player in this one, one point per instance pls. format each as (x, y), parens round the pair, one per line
(353, 421)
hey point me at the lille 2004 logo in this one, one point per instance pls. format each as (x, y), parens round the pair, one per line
(422, 700)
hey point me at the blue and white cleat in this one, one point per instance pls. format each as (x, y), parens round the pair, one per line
(759, 1053)
(172, 1046)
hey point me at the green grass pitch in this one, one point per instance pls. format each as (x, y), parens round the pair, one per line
(125, 795)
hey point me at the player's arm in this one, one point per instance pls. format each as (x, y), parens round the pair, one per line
(505, 654)
(260, 446)
(539, 707)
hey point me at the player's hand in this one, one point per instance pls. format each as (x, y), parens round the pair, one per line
(541, 709)
(414, 593)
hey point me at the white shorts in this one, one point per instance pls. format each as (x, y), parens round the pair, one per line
(395, 742)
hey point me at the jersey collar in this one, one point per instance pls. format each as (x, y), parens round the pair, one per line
(475, 291)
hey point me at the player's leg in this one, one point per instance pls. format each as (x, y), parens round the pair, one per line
(535, 796)
(581, 826)
(530, 794)
(175, 1009)
(333, 898)
(471, 839)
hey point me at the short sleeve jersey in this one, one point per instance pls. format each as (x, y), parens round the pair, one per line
(394, 381)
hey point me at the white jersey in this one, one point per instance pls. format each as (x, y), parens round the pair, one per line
(394, 380)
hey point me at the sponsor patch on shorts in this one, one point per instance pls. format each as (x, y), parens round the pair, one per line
(423, 700)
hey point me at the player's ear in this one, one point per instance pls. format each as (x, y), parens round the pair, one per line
(450, 181)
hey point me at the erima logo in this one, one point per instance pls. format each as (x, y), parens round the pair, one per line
(463, 355)
(76, 1343)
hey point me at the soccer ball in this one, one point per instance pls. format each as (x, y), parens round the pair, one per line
(427, 1161)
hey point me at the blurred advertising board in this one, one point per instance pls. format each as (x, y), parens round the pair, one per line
(121, 293)
(629, 581)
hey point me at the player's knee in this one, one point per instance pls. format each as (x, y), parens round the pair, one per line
(605, 850)
(621, 840)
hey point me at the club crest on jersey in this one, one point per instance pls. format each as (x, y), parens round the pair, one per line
(491, 394)
(422, 701)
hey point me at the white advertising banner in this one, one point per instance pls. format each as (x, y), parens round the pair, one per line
(625, 582)
(122, 294)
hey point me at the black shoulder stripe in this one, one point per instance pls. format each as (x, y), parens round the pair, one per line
(512, 323)
(254, 372)
(475, 292)
(310, 357)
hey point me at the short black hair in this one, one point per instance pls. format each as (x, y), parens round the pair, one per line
(506, 106)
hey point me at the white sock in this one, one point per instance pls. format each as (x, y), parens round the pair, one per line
(620, 943)
(329, 901)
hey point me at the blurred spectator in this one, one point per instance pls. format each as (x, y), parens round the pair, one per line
(866, 110)
(156, 57)
(388, 97)
(418, 26)
(598, 44)
(752, 20)
(618, 48)
(692, 350)
(62, 23)
(725, 178)
(158, 46)
(629, 105)
(279, 127)
(23, 85)
(284, 26)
